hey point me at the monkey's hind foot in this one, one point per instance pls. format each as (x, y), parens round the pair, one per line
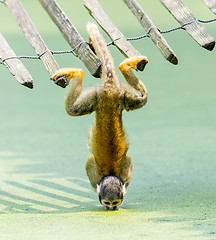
(62, 76)
(137, 63)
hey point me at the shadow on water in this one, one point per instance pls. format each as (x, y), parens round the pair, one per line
(50, 192)
(56, 196)
(167, 202)
(32, 188)
(42, 198)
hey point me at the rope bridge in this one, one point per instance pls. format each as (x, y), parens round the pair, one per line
(80, 47)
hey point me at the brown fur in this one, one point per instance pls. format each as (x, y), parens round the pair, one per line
(107, 142)
(107, 139)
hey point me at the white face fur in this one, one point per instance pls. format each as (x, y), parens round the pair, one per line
(113, 203)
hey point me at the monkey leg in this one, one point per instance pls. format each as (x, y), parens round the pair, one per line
(77, 102)
(135, 90)
(92, 172)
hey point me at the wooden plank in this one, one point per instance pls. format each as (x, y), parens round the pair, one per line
(152, 31)
(183, 15)
(72, 36)
(211, 4)
(14, 65)
(120, 41)
(32, 35)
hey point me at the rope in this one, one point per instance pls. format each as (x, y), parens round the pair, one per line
(39, 56)
(111, 43)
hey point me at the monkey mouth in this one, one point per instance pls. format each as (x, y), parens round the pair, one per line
(111, 208)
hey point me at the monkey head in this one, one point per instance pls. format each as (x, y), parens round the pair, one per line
(111, 192)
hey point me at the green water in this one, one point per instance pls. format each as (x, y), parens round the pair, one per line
(44, 192)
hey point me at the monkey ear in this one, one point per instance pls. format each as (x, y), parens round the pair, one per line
(98, 188)
(124, 189)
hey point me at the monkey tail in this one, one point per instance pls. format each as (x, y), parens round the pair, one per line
(99, 46)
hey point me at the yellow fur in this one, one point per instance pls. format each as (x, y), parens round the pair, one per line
(108, 142)
(107, 139)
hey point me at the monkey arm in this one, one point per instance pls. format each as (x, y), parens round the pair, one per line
(135, 90)
(92, 172)
(126, 170)
(124, 173)
(77, 102)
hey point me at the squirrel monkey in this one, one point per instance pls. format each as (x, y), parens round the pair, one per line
(109, 169)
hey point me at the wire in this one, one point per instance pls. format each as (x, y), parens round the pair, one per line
(110, 43)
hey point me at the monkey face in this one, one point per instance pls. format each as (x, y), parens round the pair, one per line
(111, 192)
(111, 204)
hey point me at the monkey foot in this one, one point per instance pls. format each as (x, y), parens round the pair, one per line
(137, 63)
(62, 76)
(61, 81)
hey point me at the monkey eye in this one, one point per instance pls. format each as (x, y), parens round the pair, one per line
(106, 203)
(116, 203)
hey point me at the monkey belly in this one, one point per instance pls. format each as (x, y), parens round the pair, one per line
(107, 142)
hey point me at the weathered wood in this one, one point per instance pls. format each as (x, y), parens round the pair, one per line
(211, 4)
(183, 15)
(14, 65)
(152, 31)
(72, 36)
(120, 41)
(32, 35)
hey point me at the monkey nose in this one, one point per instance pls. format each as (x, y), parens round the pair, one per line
(111, 208)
